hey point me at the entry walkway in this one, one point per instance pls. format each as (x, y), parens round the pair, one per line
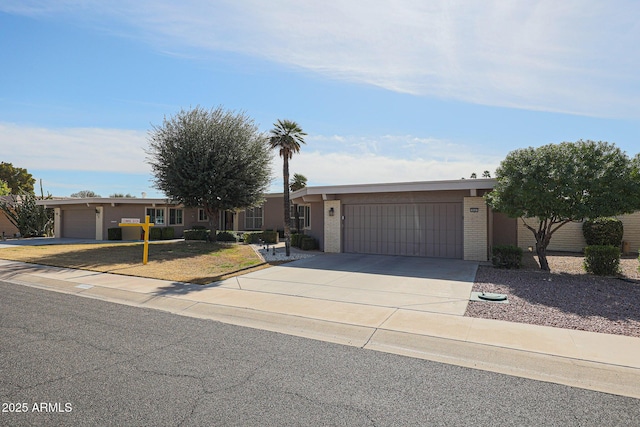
(372, 306)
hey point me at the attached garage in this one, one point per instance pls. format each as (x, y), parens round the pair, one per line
(79, 223)
(439, 219)
(415, 229)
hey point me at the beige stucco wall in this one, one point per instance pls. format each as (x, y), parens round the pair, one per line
(569, 237)
(475, 229)
(332, 232)
(7, 229)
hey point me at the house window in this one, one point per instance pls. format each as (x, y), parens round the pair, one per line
(253, 218)
(304, 214)
(156, 215)
(175, 216)
(202, 215)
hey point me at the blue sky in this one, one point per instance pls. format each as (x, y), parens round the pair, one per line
(387, 91)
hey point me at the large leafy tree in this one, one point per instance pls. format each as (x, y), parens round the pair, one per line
(213, 159)
(286, 137)
(18, 179)
(550, 186)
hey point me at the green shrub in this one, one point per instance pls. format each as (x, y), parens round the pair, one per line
(295, 239)
(196, 234)
(603, 231)
(602, 260)
(168, 233)
(155, 233)
(198, 227)
(252, 237)
(114, 233)
(225, 236)
(270, 236)
(308, 243)
(506, 256)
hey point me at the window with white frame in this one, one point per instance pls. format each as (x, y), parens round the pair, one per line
(202, 215)
(304, 216)
(156, 215)
(176, 216)
(253, 218)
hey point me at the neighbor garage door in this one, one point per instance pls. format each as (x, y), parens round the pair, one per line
(418, 229)
(79, 223)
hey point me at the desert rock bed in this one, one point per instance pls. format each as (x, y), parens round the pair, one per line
(567, 297)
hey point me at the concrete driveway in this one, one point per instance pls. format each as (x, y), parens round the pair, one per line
(411, 283)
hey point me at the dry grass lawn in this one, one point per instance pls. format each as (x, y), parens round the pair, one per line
(185, 261)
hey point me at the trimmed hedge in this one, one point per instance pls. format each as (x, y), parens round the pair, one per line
(225, 236)
(114, 233)
(308, 243)
(168, 233)
(603, 231)
(196, 234)
(270, 236)
(252, 237)
(602, 260)
(295, 239)
(155, 233)
(506, 256)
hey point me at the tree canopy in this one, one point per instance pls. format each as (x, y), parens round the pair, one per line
(297, 182)
(4, 188)
(554, 184)
(84, 194)
(214, 159)
(18, 179)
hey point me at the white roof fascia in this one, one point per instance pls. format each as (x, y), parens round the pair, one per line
(459, 184)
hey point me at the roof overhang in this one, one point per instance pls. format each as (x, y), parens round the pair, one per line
(322, 193)
(113, 201)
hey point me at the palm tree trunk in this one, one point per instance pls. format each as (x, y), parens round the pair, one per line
(287, 209)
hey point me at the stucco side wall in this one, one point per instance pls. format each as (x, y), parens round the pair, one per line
(7, 229)
(569, 237)
(273, 214)
(476, 237)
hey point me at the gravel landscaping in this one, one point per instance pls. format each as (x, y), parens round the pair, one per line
(567, 297)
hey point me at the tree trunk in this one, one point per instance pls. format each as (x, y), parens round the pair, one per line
(287, 208)
(541, 251)
(213, 215)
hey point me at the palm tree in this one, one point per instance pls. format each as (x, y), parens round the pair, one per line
(298, 182)
(287, 137)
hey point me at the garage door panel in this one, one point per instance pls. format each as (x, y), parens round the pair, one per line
(417, 229)
(79, 223)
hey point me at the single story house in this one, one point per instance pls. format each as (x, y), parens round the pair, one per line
(446, 219)
(90, 218)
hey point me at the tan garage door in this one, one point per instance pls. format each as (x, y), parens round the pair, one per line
(79, 223)
(417, 229)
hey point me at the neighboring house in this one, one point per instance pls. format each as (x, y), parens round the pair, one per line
(446, 219)
(90, 218)
(7, 229)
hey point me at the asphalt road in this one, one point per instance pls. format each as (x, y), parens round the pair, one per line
(77, 361)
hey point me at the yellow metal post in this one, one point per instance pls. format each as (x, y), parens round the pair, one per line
(146, 226)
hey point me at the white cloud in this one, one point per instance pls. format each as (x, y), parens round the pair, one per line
(577, 56)
(348, 162)
(74, 149)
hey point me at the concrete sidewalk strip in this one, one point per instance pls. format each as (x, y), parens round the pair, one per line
(339, 333)
(413, 321)
(590, 375)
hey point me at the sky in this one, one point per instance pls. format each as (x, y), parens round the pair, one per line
(409, 90)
